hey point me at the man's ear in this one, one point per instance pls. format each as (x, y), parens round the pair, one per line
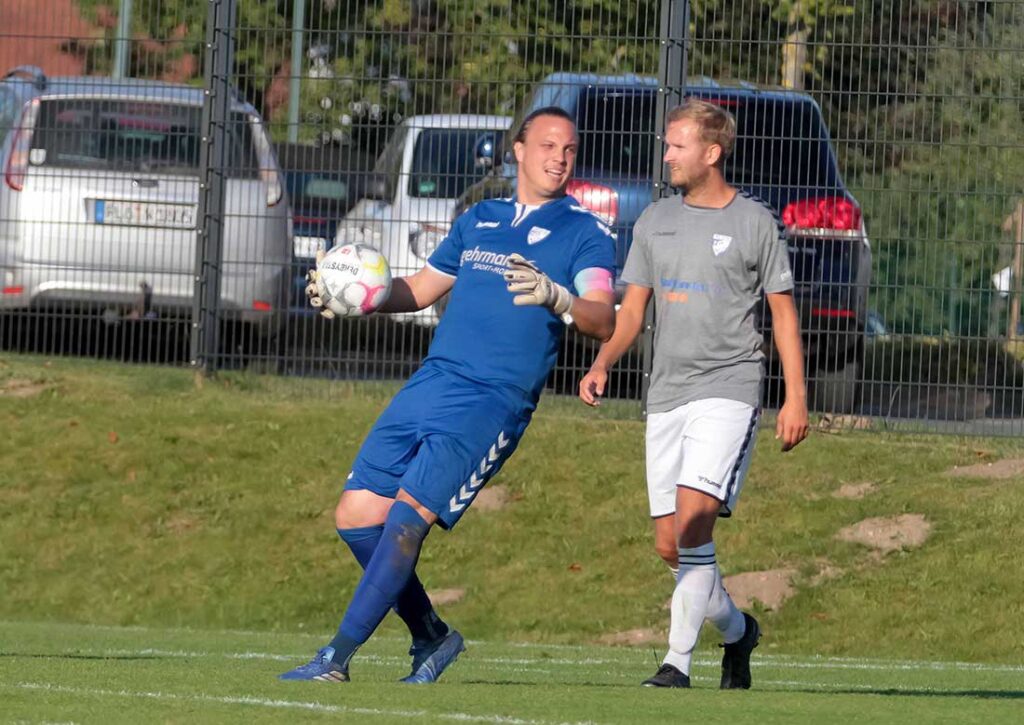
(713, 154)
(517, 149)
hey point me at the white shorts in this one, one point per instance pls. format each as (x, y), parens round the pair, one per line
(705, 445)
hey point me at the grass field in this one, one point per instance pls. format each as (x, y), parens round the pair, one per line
(54, 673)
(146, 521)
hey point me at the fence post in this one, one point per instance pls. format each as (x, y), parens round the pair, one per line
(213, 159)
(675, 24)
(1016, 271)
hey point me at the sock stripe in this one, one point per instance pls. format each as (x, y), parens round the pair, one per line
(696, 560)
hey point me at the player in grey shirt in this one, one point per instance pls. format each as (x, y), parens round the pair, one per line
(706, 259)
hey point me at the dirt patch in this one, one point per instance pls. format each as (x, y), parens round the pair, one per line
(181, 524)
(441, 597)
(18, 388)
(885, 534)
(492, 498)
(826, 572)
(829, 423)
(854, 490)
(1009, 468)
(633, 637)
(771, 588)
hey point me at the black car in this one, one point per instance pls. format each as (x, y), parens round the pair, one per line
(323, 183)
(783, 155)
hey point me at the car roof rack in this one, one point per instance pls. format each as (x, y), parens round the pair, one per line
(29, 72)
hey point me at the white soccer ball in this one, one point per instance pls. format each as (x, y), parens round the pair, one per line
(353, 280)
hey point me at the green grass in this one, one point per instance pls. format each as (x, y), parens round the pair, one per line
(65, 673)
(130, 496)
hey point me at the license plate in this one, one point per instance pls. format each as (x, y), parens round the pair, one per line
(144, 214)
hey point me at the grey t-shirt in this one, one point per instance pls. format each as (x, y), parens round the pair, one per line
(708, 269)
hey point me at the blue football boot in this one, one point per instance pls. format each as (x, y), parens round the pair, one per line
(321, 668)
(431, 659)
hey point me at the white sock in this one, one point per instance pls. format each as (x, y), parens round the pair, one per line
(723, 613)
(690, 600)
(674, 570)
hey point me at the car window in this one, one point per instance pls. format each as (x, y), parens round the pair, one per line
(133, 136)
(389, 163)
(779, 143)
(444, 162)
(8, 112)
(616, 129)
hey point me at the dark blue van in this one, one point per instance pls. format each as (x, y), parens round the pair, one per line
(783, 155)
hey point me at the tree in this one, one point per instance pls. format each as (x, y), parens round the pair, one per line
(955, 171)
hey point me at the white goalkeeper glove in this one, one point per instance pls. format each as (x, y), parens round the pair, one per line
(532, 287)
(313, 288)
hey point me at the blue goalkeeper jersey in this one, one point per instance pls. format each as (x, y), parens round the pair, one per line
(482, 335)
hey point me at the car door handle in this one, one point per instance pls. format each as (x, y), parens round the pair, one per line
(145, 183)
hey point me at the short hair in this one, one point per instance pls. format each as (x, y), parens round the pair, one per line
(717, 125)
(556, 111)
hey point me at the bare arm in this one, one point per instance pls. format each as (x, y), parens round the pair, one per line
(629, 321)
(594, 314)
(791, 425)
(417, 291)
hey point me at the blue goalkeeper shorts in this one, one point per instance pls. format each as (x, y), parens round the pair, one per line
(440, 440)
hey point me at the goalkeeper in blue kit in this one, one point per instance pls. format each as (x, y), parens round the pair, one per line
(516, 268)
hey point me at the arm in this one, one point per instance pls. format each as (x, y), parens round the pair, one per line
(594, 314)
(629, 321)
(417, 291)
(791, 425)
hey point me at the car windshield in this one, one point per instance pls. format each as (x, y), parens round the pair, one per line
(133, 136)
(444, 162)
(779, 143)
(616, 129)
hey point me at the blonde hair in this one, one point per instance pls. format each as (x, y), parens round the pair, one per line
(717, 126)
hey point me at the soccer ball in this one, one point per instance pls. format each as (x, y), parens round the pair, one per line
(353, 280)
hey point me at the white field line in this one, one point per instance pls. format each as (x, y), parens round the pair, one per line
(282, 704)
(766, 662)
(629, 654)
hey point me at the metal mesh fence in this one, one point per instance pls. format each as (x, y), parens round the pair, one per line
(171, 168)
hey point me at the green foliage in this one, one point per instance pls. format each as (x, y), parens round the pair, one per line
(956, 166)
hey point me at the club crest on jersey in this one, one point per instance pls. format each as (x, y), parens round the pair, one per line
(537, 234)
(719, 243)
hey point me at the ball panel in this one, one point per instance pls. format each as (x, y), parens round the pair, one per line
(353, 280)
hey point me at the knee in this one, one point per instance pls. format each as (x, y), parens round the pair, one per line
(349, 514)
(343, 516)
(668, 550)
(695, 527)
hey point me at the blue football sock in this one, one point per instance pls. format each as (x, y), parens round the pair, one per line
(413, 604)
(386, 575)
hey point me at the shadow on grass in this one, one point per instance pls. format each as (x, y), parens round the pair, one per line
(26, 655)
(910, 692)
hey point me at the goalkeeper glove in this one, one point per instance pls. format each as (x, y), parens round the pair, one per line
(532, 287)
(313, 291)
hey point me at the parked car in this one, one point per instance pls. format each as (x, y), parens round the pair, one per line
(323, 184)
(98, 206)
(783, 155)
(407, 204)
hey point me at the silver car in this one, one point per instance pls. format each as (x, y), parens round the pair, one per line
(99, 198)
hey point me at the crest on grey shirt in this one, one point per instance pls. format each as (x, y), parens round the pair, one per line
(719, 243)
